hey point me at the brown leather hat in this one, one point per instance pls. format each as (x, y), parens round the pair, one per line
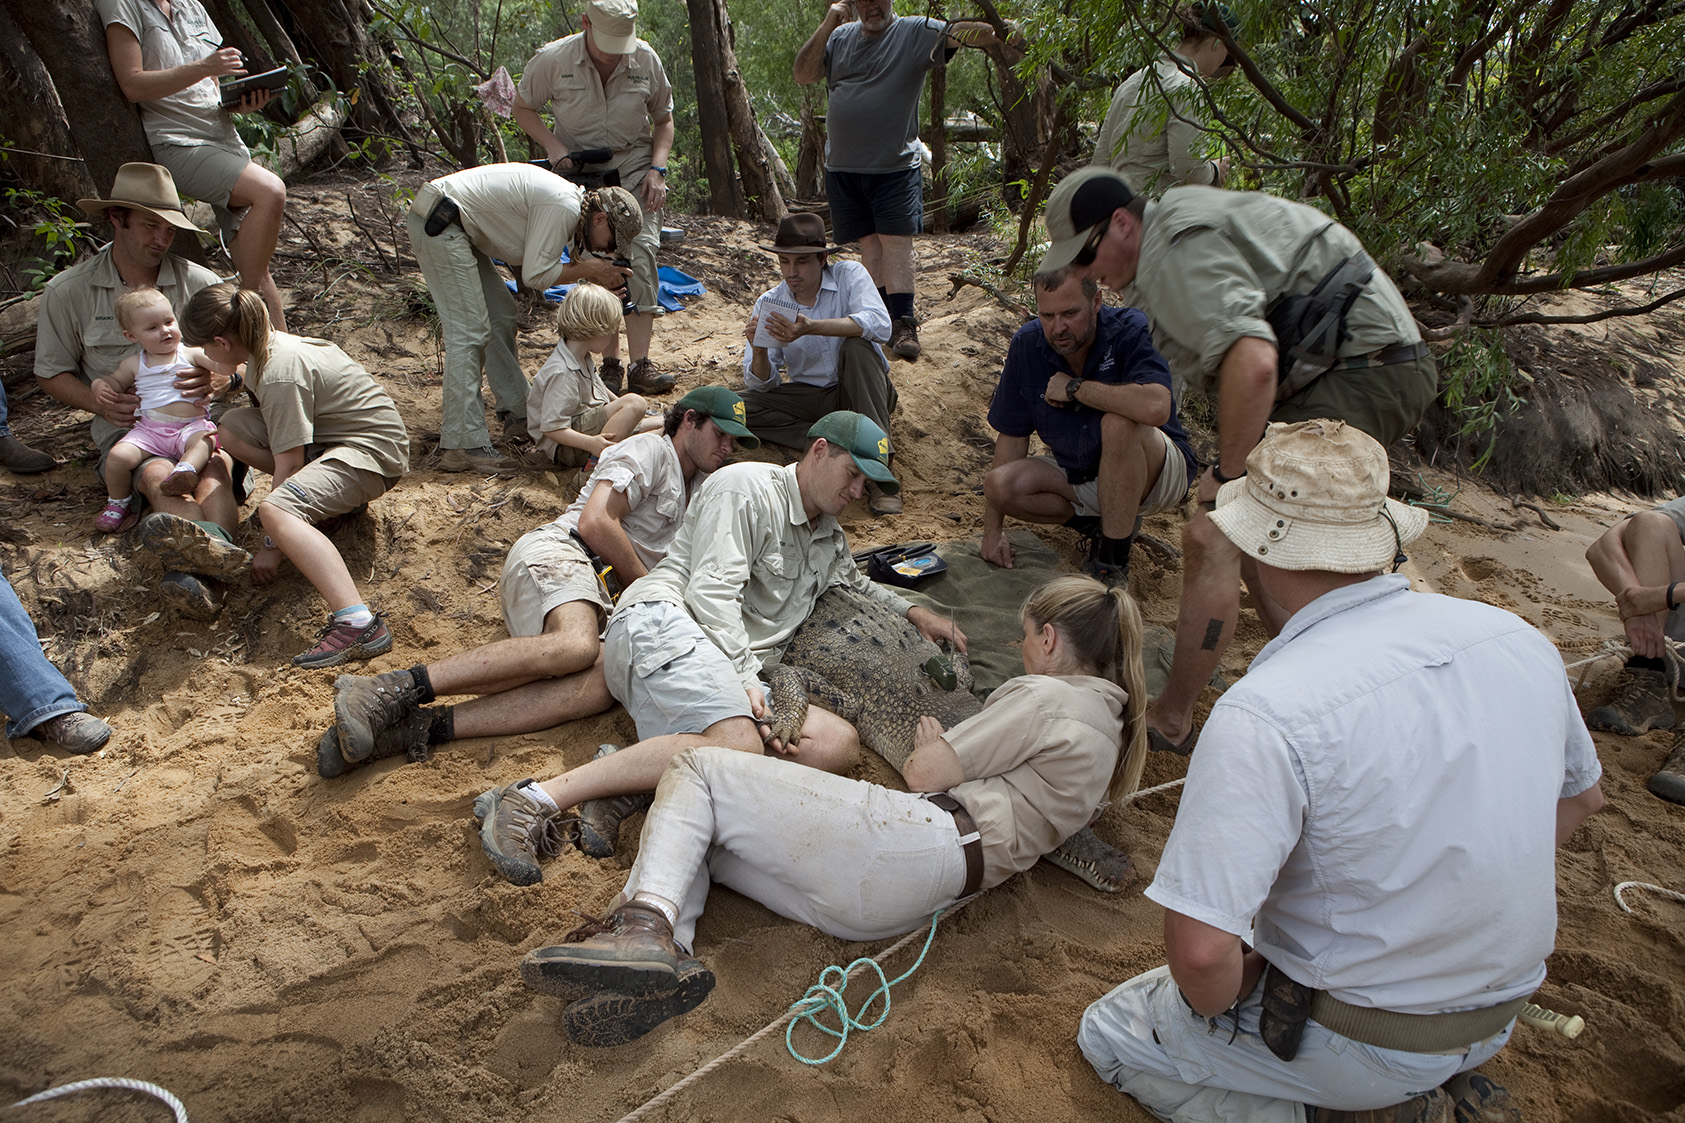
(799, 234)
(144, 187)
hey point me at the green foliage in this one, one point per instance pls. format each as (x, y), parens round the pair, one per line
(57, 223)
(1478, 382)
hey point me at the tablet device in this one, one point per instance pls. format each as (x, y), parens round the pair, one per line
(233, 91)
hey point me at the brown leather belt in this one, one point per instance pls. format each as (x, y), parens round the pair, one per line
(969, 839)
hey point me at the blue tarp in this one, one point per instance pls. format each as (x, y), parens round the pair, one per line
(672, 285)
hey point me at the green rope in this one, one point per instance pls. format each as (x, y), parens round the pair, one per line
(827, 994)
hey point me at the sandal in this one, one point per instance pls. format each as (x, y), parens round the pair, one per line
(1159, 743)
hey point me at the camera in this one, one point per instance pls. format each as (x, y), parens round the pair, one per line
(581, 173)
(628, 306)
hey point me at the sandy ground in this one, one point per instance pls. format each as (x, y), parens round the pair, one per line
(193, 906)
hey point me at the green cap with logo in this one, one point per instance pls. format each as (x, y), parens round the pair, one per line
(868, 444)
(725, 409)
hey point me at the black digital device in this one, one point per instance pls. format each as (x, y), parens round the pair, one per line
(237, 89)
(581, 173)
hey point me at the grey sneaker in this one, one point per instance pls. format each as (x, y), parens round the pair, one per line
(630, 952)
(613, 374)
(76, 732)
(1669, 781)
(904, 338)
(516, 831)
(600, 819)
(608, 1019)
(485, 460)
(1639, 705)
(407, 736)
(182, 544)
(198, 598)
(645, 377)
(363, 708)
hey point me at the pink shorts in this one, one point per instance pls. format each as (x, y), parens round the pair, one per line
(168, 438)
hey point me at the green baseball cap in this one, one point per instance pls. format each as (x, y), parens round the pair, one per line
(725, 409)
(868, 444)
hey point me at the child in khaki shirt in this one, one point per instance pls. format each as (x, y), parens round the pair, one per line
(570, 412)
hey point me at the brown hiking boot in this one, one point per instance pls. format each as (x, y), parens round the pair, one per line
(1640, 704)
(630, 952)
(646, 378)
(600, 819)
(75, 732)
(880, 502)
(613, 374)
(1669, 780)
(1480, 1099)
(407, 736)
(486, 461)
(363, 708)
(1429, 1107)
(904, 338)
(517, 830)
(605, 1020)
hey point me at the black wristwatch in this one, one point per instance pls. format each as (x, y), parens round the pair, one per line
(1217, 472)
(1071, 389)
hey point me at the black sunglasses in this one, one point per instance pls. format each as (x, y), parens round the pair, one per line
(1091, 248)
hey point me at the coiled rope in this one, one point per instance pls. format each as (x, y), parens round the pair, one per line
(123, 1082)
(1625, 885)
(1673, 656)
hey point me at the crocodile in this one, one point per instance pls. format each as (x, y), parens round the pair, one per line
(876, 671)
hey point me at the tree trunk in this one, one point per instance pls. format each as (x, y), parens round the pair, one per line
(725, 195)
(341, 44)
(810, 155)
(755, 158)
(70, 41)
(35, 121)
(939, 149)
(281, 46)
(235, 33)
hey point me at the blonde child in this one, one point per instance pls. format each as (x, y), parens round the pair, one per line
(570, 412)
(168, 424)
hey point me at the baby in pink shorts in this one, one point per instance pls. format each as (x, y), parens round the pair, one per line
(169, 424)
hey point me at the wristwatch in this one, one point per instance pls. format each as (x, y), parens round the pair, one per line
(662, 169)
(1071, 389)
(1217, 472)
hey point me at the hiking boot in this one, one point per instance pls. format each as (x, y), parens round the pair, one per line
(340, 643)
(1110, 574)
(76, 732)
(1640, 704)
(182, 544)
(1429, 1107)
(22, 459)
(487, 461)
(517, 830)
(646, 378)
(630, 952)
(364, 708)
(515, 429)
(600, 819)
(407, 736)
(613, 374)
(198, 598)
(904, 338)
(1480, 1099)
(880, 503)
(1669, 780)
(606, 1020)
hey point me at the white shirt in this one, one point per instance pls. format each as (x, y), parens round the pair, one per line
(1380, 793)
(646, 470)
(845, 289)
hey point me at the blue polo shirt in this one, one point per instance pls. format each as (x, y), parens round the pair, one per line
(1122, 354)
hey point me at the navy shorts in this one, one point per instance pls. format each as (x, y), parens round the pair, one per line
(865, 203)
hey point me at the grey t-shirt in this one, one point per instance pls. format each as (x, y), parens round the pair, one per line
(874, 84)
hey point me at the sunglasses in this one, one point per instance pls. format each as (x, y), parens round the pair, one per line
(1091, 248)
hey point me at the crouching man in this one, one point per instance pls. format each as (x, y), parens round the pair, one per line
(1376, 807)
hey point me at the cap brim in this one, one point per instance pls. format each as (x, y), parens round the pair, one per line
(1064, 251)
(744, 437)
(878, 474)
(96, 208)
(795, 251)
(615, 44)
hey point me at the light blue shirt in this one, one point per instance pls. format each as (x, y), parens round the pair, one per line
(845, 289)
(1377, 800)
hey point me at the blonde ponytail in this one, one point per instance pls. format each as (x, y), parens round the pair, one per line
(234, 313)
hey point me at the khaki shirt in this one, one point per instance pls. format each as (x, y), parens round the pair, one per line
(191, 116)
(78, 331)
(748, 566)
(312, 393)
(563, 388)
(1214, 262)
(645, 469)
(1154, 135)
(590, 113)
(516, 213)
(1037, 762)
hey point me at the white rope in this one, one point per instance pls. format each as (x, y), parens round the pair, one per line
(1673, 655)
(109, 1082)
(1625, 885)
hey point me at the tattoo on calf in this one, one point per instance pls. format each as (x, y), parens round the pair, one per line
(1213, 633)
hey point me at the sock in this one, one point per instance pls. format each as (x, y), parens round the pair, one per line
(660, 904)
(900, 305)
(423, 684)
(538, 795)
(443, 729)
(123, 502)
(357, 615)
(213, 529)
(181, 464)
(1113, 551)
(1644, 663)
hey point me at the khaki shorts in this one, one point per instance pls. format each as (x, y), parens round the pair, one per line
(590, 423)
(324, 487)
(208, 173)
(546, 569)
(1167, 494)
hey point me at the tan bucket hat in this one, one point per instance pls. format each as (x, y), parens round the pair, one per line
(1315, 497)
(145, 187)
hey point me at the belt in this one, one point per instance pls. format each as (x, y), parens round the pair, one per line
(969, 839)
(1413, 1033)
(1403, 353)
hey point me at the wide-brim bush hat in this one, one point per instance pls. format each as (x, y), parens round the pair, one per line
(143, 187)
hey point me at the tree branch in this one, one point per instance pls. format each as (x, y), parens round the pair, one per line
(1589, 318)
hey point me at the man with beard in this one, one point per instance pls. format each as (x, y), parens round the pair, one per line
(1088, 381)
